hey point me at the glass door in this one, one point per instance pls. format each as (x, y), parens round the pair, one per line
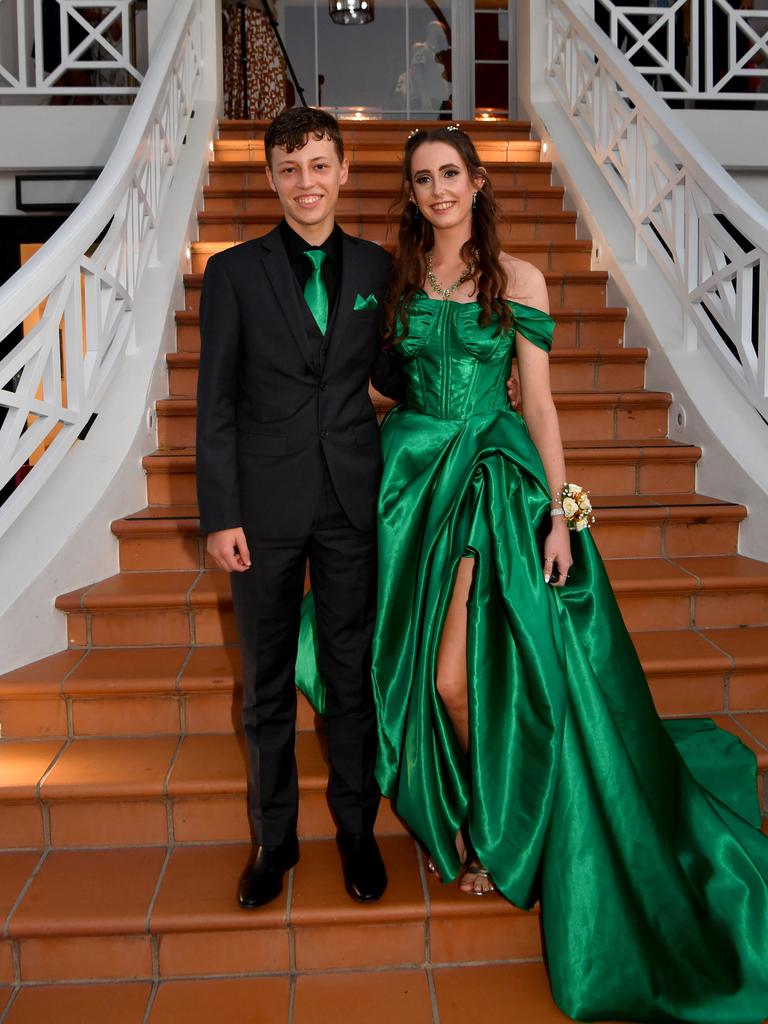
(417, 59)
(397, 66)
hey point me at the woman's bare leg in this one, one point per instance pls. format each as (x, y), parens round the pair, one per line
(451, 683)
(451, 672)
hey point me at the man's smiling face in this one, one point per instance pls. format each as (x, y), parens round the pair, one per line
(307, 183)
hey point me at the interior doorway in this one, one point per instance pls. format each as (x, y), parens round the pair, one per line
(417, 59)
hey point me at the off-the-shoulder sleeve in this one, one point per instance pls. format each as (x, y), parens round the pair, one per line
(534, 324)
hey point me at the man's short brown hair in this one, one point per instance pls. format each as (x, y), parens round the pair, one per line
(293, 128)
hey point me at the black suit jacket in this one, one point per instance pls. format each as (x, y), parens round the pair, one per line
(270, 414)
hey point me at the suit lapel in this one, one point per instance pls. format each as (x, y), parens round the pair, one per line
(283, 282)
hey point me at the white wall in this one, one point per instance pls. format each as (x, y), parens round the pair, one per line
(736, 139)
(58, 137)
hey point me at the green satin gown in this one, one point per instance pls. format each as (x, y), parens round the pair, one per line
(640, 839)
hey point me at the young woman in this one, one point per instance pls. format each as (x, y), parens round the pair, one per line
(518, 738)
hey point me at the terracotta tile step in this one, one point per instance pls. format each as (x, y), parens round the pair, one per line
(462, 993)
(394, 132)
(384, 174)
(180, 608)
(128, 691)
(547, 256)
(149, 691)
(382, 227)
(132, 903)
(571, 369)
(583, 416)
(648, 466)
(167, 537)
(590, 329)
(154, 790)
(372, 151)
(254, 200)
(579, 290)
(129, 791)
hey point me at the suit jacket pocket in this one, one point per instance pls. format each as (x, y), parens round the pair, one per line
(262, 444)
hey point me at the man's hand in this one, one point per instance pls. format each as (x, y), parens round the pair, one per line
(513, 390)
(229, 550)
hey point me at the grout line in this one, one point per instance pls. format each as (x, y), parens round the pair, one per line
(179, 692)
(427, 934)
(235, 976)
(292, 999)
(167, 798)
(153, 900)
(23, 892)
(728, 672)
(432, 995)
(761, 743)
(16, 959)
(90, 982)
(11, 1001)
(39, 784)
(67, 674)
(151, 1001)
(291, 932)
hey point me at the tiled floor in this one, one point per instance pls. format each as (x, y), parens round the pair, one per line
(482, 994)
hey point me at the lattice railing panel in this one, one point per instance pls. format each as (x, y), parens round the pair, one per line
(71, 48)
(708, 237)
(693, 49)
(53, 379)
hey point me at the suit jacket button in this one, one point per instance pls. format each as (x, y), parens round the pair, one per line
(323, 387)
(324, 434)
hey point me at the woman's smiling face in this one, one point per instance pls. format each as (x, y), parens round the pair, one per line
(441, 185)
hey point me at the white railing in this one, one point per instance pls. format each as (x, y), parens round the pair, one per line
(693, 49)
(83, 48)
(708, 236)
(80, 287)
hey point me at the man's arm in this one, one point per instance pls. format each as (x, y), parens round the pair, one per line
(217, 484)
(218, 492)
(387, 376)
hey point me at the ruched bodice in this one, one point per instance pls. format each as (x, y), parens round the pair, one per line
(454, 367)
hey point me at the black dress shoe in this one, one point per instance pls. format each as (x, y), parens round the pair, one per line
(262, 880)
(365, 877)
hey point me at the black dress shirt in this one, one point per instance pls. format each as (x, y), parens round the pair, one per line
(296, 246)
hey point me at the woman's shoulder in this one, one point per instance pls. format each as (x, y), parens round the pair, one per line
(526, 285)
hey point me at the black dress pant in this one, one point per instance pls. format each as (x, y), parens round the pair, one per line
(267, 599)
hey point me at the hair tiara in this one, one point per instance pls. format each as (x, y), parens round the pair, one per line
(455, 127)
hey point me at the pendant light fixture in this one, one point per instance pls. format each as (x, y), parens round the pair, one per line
(351, 12)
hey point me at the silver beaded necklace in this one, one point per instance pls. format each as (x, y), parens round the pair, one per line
(446, 293)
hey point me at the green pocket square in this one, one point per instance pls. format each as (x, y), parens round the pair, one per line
(369, 303)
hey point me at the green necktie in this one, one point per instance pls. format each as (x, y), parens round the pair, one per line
(314, 289)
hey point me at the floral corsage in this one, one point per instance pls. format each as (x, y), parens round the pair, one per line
(575, 506)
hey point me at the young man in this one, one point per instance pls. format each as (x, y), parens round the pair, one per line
(288, 466)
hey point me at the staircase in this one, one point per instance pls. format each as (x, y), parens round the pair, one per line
(122, 779)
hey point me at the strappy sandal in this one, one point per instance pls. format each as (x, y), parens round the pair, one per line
(463, 858)
(475, 870)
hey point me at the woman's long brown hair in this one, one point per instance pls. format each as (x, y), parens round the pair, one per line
(416, 238)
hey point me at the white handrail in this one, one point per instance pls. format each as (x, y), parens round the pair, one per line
(709, 237)
(86, 276)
